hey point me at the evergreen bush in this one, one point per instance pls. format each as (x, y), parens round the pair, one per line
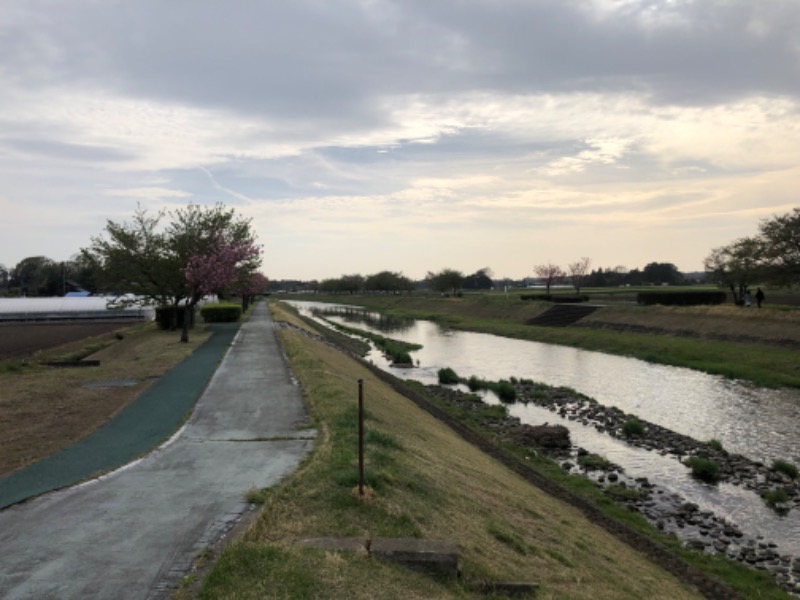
(448, 376)
(681, 297)
(221, 313)
(164, 317)
(632, 427)
(786, 468)
(704, 469)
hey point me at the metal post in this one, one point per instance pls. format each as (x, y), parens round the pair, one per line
(360, 437)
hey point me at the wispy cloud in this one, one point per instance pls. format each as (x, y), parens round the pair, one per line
(408, 135)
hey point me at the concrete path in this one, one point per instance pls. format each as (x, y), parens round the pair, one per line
(133, 533)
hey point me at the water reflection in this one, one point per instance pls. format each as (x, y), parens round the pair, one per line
(756, 422)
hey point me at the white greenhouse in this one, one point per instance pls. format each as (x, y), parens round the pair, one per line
(69, 309)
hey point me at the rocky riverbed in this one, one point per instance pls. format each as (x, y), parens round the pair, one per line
(698, 529)
(733, 468)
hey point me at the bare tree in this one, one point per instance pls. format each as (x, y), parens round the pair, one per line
(578, 271)
(549, 273)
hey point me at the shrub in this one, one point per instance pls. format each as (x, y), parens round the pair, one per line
(620, 491)
(704, 469)
(505, 391)
(776, 496)
(447, 376)
(164, 317)
(221, 313)
(255, 496)
(632, 427)
(474, 384)
(715, 445)
(594, 462)
(563, 299)
(681, 298)
(786, 468)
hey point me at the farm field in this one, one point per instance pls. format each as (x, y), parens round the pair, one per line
(23, 340)
(45, 409)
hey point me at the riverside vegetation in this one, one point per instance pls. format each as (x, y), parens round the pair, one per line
(426, 481)
(758, 345)
(44, 410)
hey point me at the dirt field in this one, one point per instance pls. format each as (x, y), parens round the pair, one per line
(43, 410)
(23, 340)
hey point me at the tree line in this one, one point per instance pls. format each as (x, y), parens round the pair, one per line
(770, 257)
(168, 259)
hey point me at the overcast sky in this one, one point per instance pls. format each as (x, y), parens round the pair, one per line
(407, 135)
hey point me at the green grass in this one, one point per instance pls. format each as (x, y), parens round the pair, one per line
(448, 376)
(632, 428)
(496, 314)
(427, 482)
(786, 468)
(432, 484)
(594, 462)
(396, 350)
(775, 497)
(704, 469)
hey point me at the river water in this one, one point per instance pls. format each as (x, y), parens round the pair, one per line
(759, 423)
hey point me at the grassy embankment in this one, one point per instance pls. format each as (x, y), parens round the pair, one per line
(44, 410)
(426, 482)
(725, 340)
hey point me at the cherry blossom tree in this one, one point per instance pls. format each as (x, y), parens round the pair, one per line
(578, 272)
(549, 274)
(250, 285)
(218, 268)
(171, 259)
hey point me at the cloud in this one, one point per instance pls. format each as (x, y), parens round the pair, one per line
(400, 125)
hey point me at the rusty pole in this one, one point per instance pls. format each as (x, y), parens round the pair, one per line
(360, 437)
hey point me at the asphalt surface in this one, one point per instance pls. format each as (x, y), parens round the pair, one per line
(133, 534)
(144, 424)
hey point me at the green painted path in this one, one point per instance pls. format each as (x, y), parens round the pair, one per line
(141, 426)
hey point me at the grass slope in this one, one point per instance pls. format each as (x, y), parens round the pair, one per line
(757, 358)
(44, 410)
(425, 482)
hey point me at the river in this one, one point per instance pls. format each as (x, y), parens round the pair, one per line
(759, 423)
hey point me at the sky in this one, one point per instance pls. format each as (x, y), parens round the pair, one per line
(410, 135)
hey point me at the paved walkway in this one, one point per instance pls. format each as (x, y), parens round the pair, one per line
(132, 534)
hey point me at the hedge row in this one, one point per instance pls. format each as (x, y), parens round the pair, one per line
(164, 317)
(555, 298)
(221, 313)
(681, 298)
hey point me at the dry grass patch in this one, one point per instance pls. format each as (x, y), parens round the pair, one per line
(727, 321)
(44, 410)
(427, 483)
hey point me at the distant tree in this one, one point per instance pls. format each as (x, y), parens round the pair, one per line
(780, 248)
(250, 285)
(736, 266)
(388, 281)
(659, 273)
(445, 281)
(5, 275)
(80, 274)
(479, 280)
(549, 274)
(351, 283)
(578, 272)
(149, 261)
(37, 276)
(222, 266)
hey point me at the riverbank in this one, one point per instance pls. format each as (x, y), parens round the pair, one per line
(44, 410)
(749, 344)
(423, 481)
(427, 482)
(697, 529)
